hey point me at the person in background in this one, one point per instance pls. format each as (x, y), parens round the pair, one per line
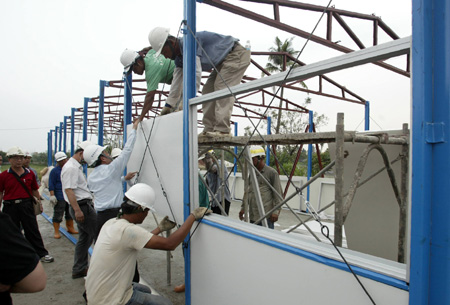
(268, 196)
(215, 183)
(60, 206)
(20, 268)
(18, 201)
(26, 164)
(228, 57)
(109, 280)
(77, 194)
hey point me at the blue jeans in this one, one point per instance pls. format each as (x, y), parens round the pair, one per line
(142, 295)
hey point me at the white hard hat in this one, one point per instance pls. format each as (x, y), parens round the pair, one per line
(115, 152)
(84, 144)
(59, 156)
(128, 58)
(157, 37)
(142, 194)
(92, 152)
(14, 151)
(27, 154)
(256, 151)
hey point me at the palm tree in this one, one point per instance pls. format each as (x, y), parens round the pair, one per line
(277, 63)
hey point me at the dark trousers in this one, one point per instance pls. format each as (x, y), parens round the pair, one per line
(85, 238)
(217, 210)
(61, 208)
(22, 214)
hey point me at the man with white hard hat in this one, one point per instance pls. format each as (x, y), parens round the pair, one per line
(214, 51)
(17, 187)
(26, 164)
(77, 194)
(268, 191)
(157, 70)
(109, 280)
(60, 206)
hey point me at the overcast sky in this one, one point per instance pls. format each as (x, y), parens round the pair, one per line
(54, 53)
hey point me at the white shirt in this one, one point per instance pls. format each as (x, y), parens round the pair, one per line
(111, 270)
(105, 180)
(72, 177)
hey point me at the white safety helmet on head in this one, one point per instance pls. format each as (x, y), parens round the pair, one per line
(83, 145)
(128, 58)
(157, 38)
(256, 150)
(14, 151)
(92, 152)
(59, 156)
(116, 152)
(142, 194)
(27, 154)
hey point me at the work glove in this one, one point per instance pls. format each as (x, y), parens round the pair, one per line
(166, 224)
(199, 212)
(165, 110)
(53, 200)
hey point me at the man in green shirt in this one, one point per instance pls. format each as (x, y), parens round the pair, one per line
(158, 69)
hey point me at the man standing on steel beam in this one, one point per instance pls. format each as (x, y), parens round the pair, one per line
(77, 194)
(222, 53)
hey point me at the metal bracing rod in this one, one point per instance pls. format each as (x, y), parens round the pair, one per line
(361, 183)
(383, 51)
(255, 188)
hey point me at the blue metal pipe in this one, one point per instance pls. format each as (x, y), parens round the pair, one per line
(85, 124)
(72, 132)
(189, 91)
(56, 143)
(49, 148)
(65, 134)
(235, 148)
(128, 101)
(61, 127)
(367, 116)
(101, 112)
(430, 229)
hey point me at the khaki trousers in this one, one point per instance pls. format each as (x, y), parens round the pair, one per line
(217, 114)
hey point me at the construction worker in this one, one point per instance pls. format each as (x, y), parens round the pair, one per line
(17, 187)
(77, 194)
(157, 70)
(268, 196)
(109, 280)
(26, 164)
(60, 206)
(105, 180)
(228, 57)
(216, 183)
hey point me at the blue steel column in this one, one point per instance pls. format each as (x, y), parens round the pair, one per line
(128, 101)
(430, 228)
(189, 91)
(61, 127)
(56, 141)
(65, 135)
(101, 112)
(367, 116)
(310, 149)
(269, 131)
(49, 148)
(85, 123)
(72, 132)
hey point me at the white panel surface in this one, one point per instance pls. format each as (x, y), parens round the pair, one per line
(232, 269)
(162, 155)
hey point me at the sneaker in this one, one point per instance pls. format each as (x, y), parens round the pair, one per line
(47, 259)
(217, 134)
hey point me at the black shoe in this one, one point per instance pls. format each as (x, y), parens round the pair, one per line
(77, 275)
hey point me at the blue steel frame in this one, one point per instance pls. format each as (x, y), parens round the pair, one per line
(65, 134)
(49, 148)
(72, 132)
(189, 91)
(56, 142)
(85, 123)
(367, 116)
(101, 112)
(430, 229)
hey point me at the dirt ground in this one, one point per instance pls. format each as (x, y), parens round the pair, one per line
(62, 289)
